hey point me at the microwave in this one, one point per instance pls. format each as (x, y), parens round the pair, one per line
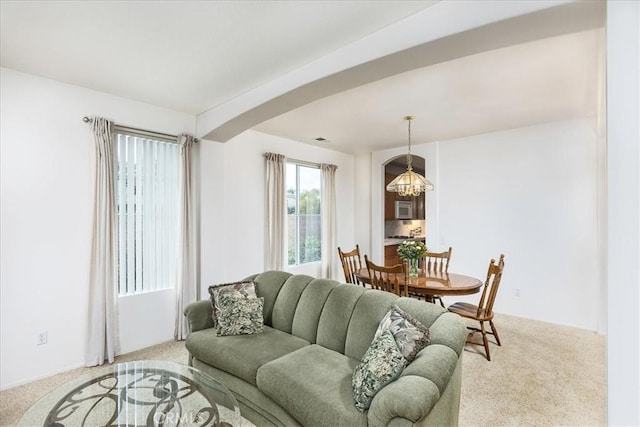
(404, 209)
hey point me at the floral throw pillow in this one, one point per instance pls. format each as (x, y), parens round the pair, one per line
(382, 363)
(410, 335)
(244, 289)
(239, 315)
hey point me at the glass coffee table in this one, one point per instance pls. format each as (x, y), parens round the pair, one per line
(141, 393)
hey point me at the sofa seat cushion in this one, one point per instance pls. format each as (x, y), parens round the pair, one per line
(314, 385)
(242, 355)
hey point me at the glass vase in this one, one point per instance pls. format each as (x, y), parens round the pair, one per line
(413, 267)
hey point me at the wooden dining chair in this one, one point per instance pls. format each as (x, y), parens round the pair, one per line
(390, 279)
(483, 312)
(351, 262)
(436, 262)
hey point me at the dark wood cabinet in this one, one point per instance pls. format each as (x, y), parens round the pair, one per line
(389, 200)
(391, 255)
(419, 207)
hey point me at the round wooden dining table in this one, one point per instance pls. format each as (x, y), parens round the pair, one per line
(434, 283)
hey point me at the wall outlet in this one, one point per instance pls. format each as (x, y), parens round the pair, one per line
(517, 292)
(42, 337)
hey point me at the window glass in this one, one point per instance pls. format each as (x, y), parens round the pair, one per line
(303, 214)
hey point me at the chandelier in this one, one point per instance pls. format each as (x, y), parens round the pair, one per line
(409, 183)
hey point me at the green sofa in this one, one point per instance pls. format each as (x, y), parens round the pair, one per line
(299, 370)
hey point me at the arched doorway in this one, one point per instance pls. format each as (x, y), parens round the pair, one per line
(404, 216)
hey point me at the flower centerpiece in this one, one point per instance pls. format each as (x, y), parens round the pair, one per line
(412, 251)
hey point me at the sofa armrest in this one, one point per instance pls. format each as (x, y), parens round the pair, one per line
(428, 403)
(199, 315)
(395, 400)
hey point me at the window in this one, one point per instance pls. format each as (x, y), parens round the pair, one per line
(303, 214)
(147, 212)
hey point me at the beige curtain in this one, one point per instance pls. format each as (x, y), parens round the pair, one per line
(187, 284)
(103, 341)
(328, 218)
(275, 211)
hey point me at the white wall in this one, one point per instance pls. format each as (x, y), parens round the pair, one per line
(47, 172)
(362, 208)
(530, 193)
(623, 269)
(232, 199)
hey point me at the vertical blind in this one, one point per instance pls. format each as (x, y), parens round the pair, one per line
(147, 206)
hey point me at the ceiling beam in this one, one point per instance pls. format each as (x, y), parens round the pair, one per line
(443, 32)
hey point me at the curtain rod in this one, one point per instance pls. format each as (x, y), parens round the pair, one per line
(304, 162)
(142, 131)
(307, 163)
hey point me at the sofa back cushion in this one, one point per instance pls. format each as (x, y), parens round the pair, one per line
(268, 286)
(426, 314)
(285, 305)
(340, 317)
(293, 303)
(336, 315)
(369, 310)
(309, 309)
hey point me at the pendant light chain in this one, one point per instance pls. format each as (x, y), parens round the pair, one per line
(409, 157)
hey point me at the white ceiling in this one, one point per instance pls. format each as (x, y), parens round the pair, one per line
(536, 82)
(192, 56)
(184, 55)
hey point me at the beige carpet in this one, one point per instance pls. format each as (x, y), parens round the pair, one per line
(543, 375)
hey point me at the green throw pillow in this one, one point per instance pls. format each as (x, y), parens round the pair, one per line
(239, 315)
(381, 364)
(410, 335)
(244, 289)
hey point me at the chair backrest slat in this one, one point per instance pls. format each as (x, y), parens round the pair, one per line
(490, 288)
(351, 262)
(390, 279)
(437, 262)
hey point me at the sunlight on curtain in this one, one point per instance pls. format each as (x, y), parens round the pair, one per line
(328, 218)
(187, 287)
(275, 211)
